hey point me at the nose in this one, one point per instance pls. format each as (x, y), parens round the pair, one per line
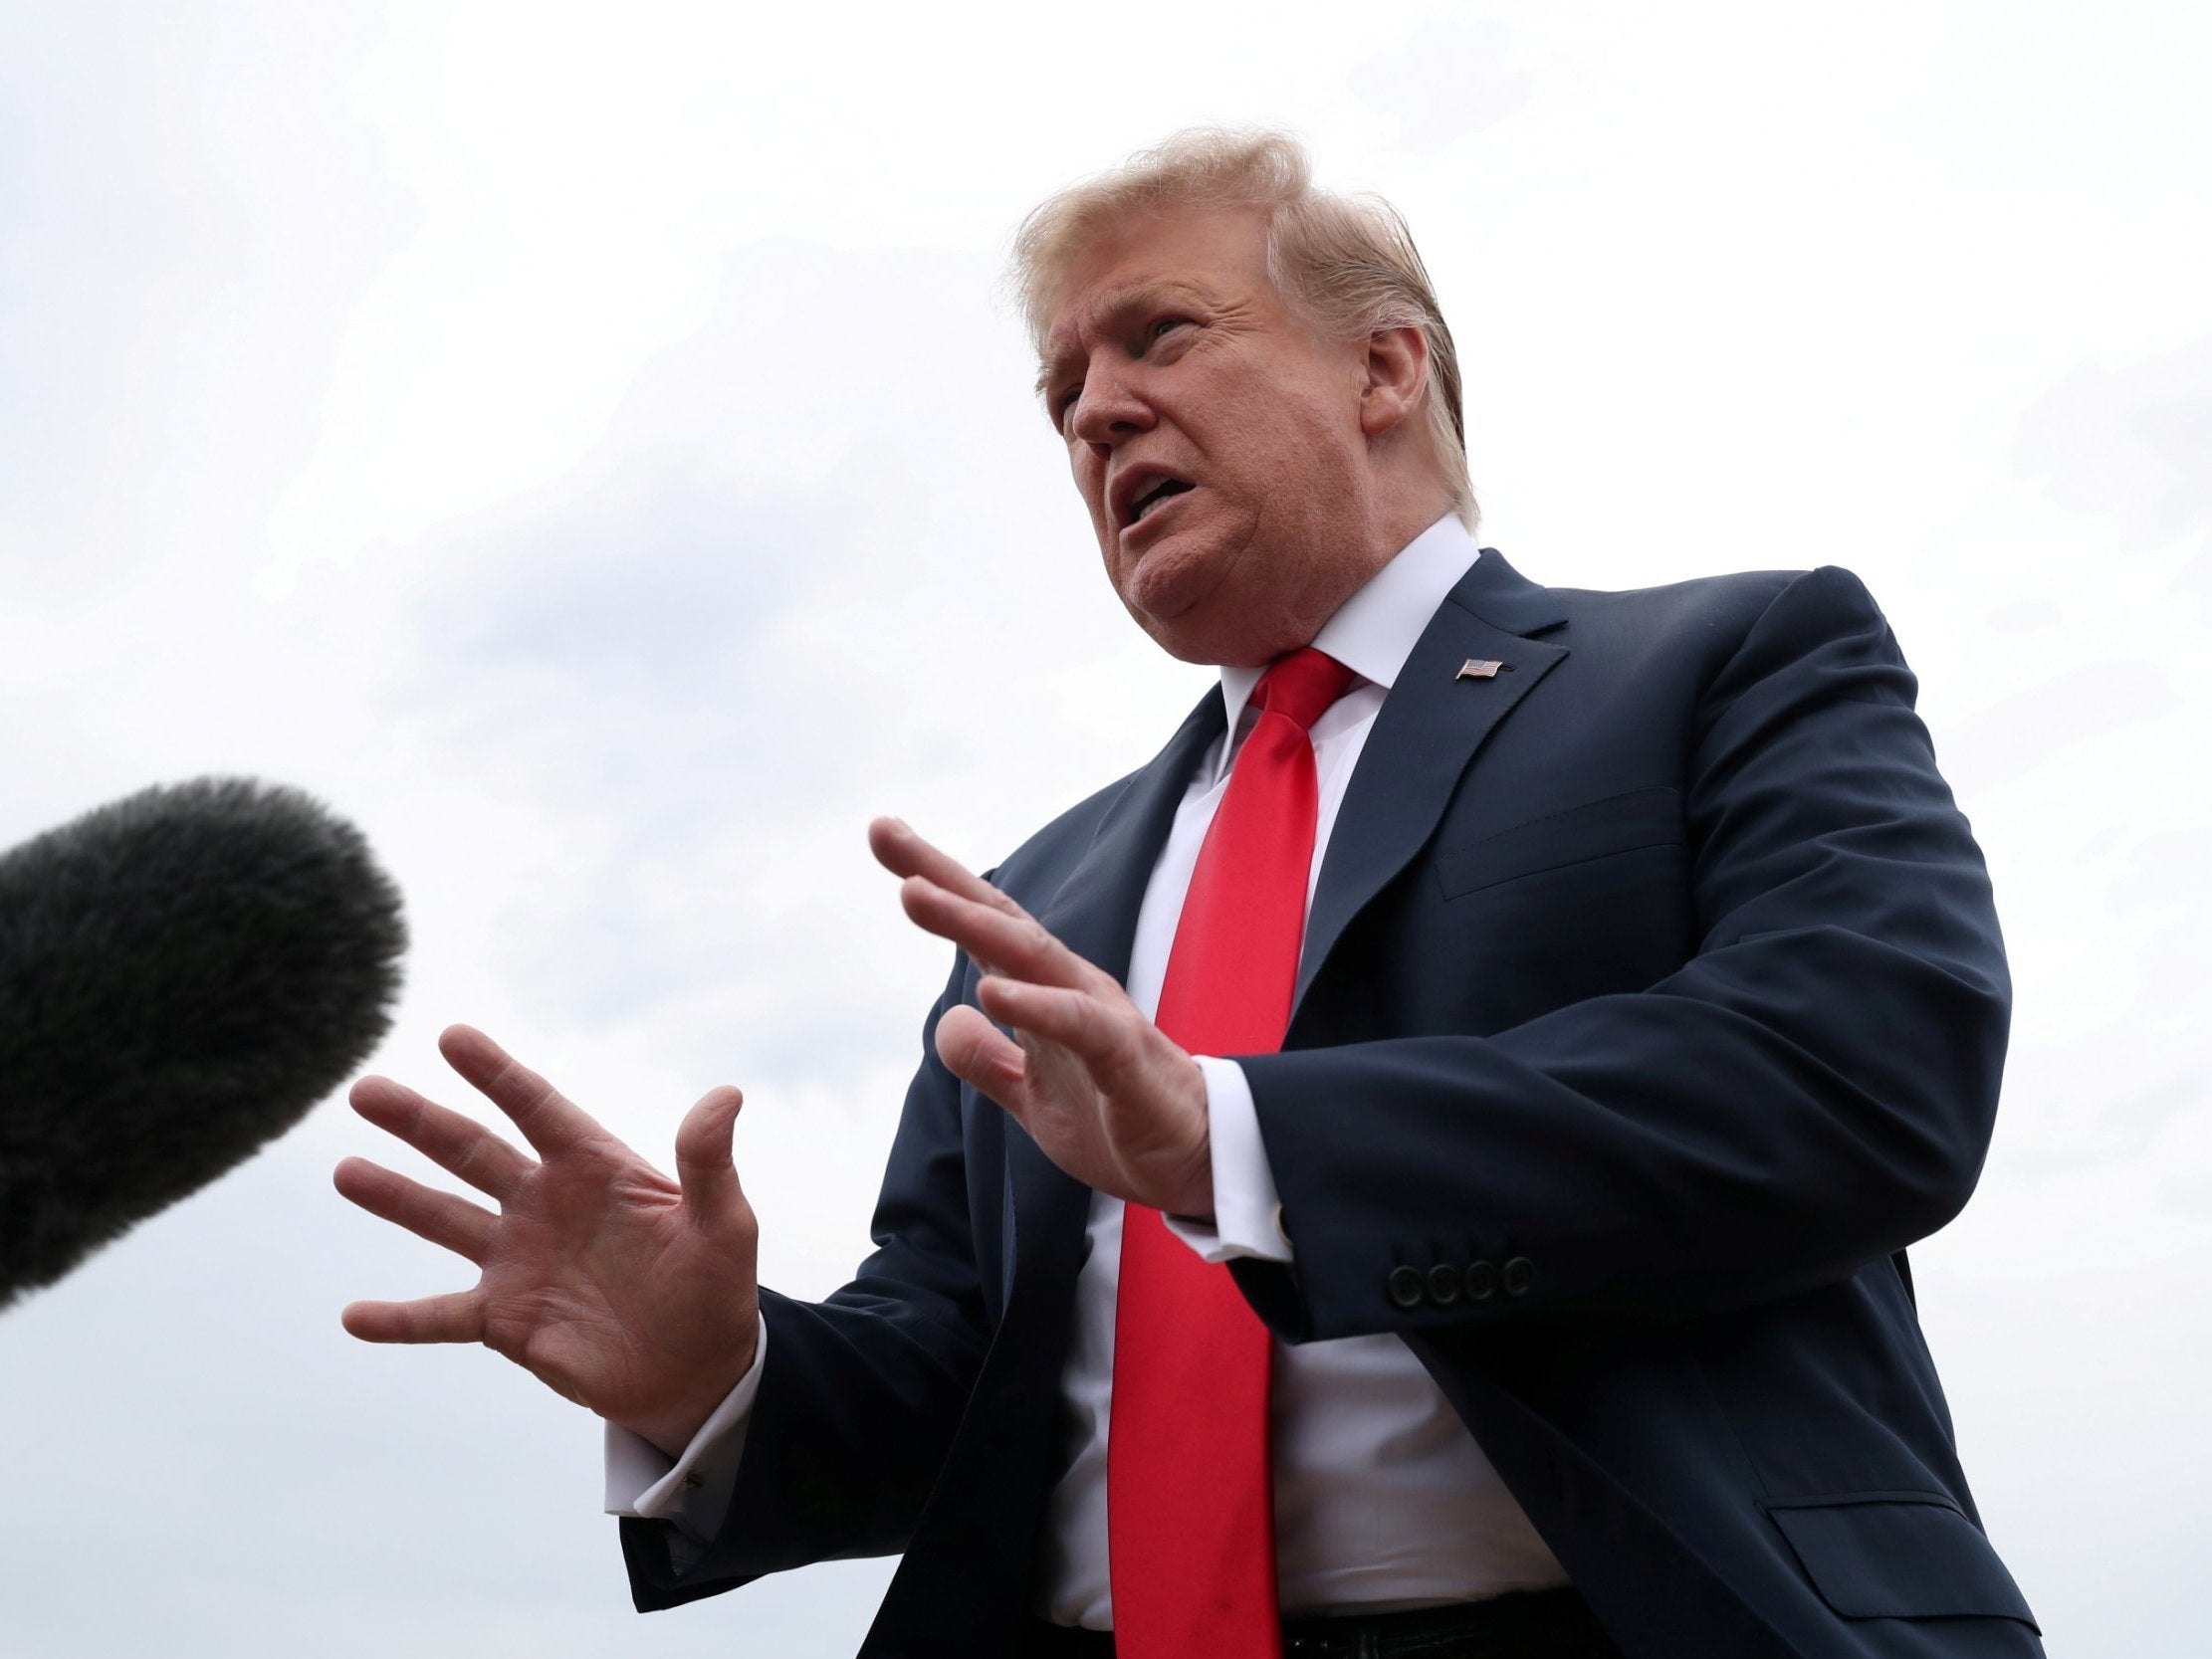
(1110, 407)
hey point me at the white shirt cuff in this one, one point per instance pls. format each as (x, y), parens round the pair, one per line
(693, 1490)
(1248, 1213)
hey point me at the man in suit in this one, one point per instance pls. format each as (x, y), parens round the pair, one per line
(1648, 1003)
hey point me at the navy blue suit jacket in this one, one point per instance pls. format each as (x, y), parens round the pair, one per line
(1651, 1003)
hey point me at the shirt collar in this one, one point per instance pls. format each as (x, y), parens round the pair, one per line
(1376, 630)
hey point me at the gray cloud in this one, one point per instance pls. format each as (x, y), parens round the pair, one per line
(1445, 81)
(2081, 702)
(2131, 445)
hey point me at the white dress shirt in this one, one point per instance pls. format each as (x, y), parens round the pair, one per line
(1383, 1499)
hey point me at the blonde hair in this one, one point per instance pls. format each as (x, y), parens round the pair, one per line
(1348, 263)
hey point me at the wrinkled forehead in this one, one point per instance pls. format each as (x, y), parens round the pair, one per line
(1145, 262)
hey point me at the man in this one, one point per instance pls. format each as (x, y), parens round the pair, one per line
(1558, 1010)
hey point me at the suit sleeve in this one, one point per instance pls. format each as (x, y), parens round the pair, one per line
(1812, 1089)
(864, 1390)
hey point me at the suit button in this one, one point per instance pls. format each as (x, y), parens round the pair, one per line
(1520, 1273)
(1444, 1284)
(1406, 1287)
(1481, 1280)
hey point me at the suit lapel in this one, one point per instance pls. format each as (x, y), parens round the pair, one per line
(996, 1472)
(1095, 914)
(1431, 726)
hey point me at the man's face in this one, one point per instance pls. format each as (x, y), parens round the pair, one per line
(1214, 436)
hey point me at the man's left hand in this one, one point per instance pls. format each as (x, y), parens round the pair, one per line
(1100, 1088)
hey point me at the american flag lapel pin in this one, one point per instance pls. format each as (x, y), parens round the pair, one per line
(1481, 667)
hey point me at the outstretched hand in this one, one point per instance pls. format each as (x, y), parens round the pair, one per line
(1102, 1090)
(624, 1291)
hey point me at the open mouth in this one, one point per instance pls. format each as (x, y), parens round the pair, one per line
(1166, 490)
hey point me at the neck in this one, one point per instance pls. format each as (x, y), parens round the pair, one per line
(1391, 526)
(1403, 513)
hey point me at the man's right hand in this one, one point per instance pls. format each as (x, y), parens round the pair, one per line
(617, 1288)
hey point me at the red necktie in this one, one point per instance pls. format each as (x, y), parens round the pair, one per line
(1190, 1503)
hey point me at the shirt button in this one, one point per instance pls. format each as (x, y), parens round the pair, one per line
(1405, 1286)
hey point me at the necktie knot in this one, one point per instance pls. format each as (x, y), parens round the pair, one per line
(1301, 686)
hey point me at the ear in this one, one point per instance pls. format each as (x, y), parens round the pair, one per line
(1396, 374)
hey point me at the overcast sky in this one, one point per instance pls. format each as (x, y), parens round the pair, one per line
(582, 445)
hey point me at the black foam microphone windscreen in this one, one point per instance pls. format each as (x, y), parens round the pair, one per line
(183, 973)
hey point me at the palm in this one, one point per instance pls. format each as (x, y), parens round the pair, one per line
(599, 1283)
(623, 1290)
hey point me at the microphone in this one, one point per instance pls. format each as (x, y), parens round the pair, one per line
(183, 973)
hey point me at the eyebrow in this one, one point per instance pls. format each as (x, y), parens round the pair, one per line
(1114, 309)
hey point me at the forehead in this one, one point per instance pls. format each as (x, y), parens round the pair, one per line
(1191, 257)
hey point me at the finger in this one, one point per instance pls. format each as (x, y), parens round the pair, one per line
(704, 1165)
(1072, 1019)
(903, 852)
(980, 1055)
(440, 1217)
(458, 1144)
(547, 1119)
(1016, 945)
(454, 1318)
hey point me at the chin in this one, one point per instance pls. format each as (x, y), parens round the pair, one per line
(1218, 637)
(1175, 587)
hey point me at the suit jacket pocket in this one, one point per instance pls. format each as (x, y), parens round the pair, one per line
(1899, 1554)
(1596, 829)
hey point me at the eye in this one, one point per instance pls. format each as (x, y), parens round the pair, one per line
(1063, 403)
(1161, 327)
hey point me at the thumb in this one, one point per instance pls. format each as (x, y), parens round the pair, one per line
(704, 1168)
